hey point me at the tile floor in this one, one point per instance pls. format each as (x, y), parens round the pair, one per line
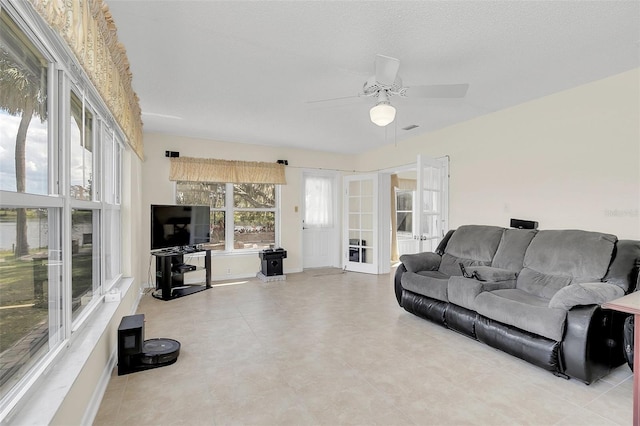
(326, 348)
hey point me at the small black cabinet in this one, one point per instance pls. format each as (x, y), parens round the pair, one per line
(170, 272)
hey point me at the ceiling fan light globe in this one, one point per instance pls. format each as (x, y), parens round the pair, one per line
(382, 114)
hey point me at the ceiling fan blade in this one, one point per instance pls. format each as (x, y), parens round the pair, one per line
(332, 99)
(438, 91)
(386, 69)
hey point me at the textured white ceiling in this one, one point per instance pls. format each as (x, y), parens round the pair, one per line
(243, 71)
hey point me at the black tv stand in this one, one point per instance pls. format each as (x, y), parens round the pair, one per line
(170, 271)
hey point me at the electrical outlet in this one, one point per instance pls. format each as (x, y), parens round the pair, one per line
(228, 271)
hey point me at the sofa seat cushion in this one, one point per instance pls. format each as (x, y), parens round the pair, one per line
(541, 285)
(463, 291)
(426, 283)
(522, 310)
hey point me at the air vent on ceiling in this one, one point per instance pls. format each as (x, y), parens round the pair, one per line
(410, 127)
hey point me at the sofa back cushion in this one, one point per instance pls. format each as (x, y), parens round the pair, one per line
(470, 245)
(557, 258)
(513, 246)
(475, 242)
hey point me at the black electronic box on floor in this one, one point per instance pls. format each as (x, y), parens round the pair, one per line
(271, 260)
(137, 354)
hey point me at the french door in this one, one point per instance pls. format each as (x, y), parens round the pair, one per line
(431, 202)
(361, 223)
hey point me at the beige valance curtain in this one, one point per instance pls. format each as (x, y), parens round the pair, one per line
(223, 171)
(88, 28)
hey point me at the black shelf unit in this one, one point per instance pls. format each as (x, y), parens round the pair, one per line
(170, 272)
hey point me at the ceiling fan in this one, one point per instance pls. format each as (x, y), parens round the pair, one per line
(386, 83)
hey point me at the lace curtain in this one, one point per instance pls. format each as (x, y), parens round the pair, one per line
(318, 194)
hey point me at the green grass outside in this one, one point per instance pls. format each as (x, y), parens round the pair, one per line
(17, 288)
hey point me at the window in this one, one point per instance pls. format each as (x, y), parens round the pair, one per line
(252, 207)
(318, 210)
(51, 238)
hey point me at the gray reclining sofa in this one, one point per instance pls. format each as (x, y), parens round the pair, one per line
(533, 294)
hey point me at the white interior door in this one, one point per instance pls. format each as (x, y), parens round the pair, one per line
(320, 229)
(361, 223)
(431, 202)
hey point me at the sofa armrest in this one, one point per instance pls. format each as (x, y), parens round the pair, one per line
(417, 262)
(463, 291)
(584, 294)
(491, 274)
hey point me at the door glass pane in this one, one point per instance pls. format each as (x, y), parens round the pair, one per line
(366, 238)
(24, 286)
(354, 221)
(354, 204)
(24, 163)
(354, 188)
(367, 187)
(366, 204)
(367, 221)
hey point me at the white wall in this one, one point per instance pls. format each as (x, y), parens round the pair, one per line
(157, 189)
(569, 160)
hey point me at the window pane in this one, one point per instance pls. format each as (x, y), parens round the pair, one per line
(201, 193)
(83, 256)
(405, 222)
(217, 239)
(23, 113)
(254, 230)
(405, 200)
(211, 194)
(108, 171)
(112, 236)
(118, 177)
(254, 195)
(81, 150)
(24, 286)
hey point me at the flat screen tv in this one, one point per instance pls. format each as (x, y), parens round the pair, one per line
(176, 226)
